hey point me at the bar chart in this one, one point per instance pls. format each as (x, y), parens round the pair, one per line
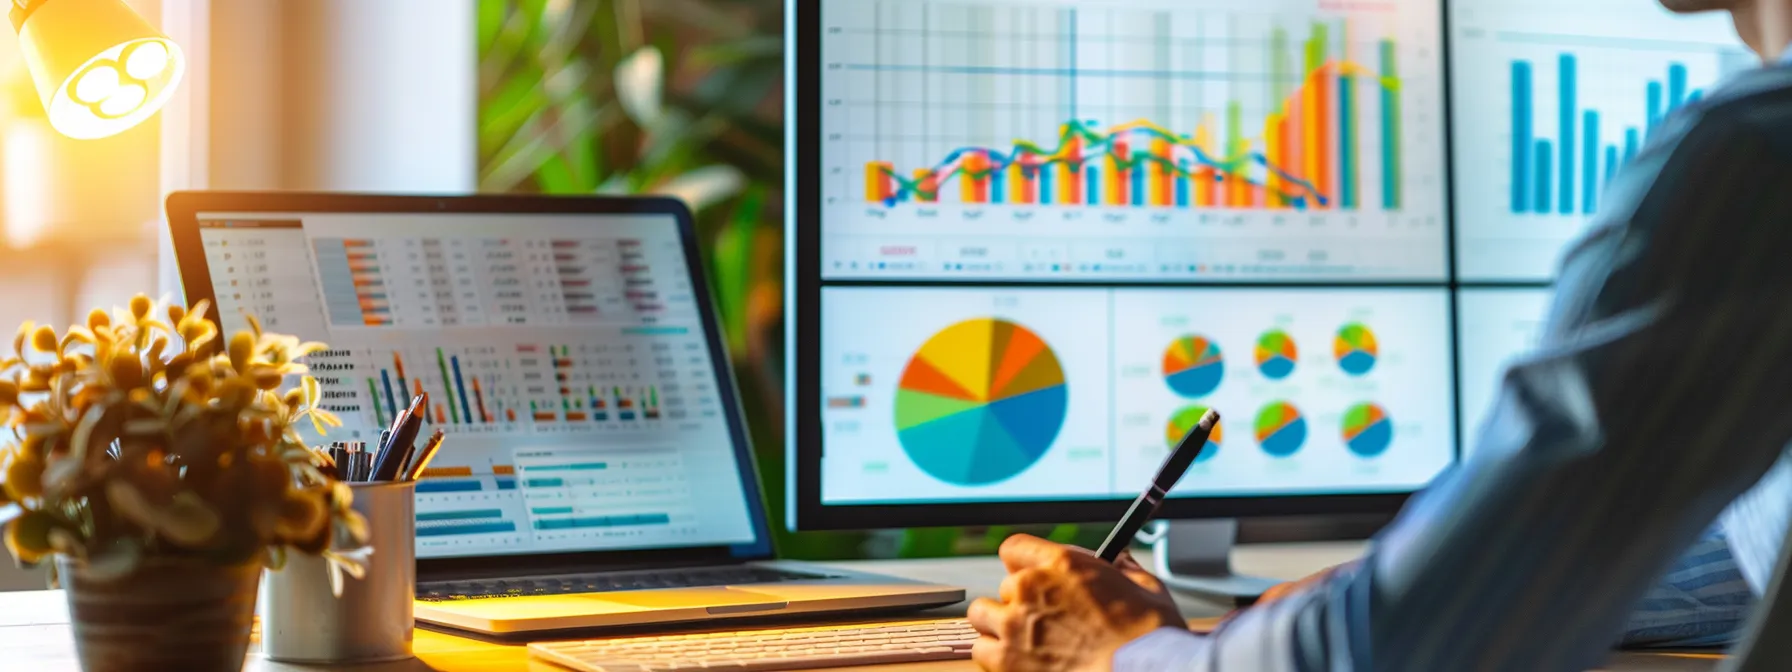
(1586, 164)
(1551, 101)
(545, 387)
(603, 493)
(1034, 139)
(1306, 153)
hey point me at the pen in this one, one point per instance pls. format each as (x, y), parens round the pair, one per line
(415, 471)
(386, 467)
(1172, 470)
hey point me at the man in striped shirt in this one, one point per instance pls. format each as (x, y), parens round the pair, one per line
(1662, 392)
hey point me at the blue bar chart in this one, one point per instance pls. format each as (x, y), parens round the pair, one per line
(1579, 170)
(1550, 102)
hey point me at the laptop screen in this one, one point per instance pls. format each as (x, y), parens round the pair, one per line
(565, 357)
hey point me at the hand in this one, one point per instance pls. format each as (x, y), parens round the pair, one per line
(1062, 608)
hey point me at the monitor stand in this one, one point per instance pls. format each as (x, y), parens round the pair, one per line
(1194, 556)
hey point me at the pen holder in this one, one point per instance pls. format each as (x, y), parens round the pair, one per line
(302, 622)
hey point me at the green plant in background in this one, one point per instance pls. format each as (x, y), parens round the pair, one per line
(677, 97)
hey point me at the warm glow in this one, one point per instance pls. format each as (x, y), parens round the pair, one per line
(99, 67)
(79, 111)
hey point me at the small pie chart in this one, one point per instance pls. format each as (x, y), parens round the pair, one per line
(1355, 349)
(1183, 422)
(1281, 431)
(1193, 366)
(980, 402)
(1367, 430)
(1276, 354)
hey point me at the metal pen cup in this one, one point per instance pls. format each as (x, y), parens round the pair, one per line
(302, 622)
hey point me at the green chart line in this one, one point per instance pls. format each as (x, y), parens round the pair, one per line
(447, 386)
(373, 392)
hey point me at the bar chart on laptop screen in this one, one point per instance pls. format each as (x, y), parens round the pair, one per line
(1132, 139)
(1552, 100)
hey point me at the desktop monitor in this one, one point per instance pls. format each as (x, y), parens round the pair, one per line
(1031, 241)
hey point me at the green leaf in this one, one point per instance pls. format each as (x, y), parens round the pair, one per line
(489, 20)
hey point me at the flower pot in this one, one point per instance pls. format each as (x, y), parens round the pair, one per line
(172, 614)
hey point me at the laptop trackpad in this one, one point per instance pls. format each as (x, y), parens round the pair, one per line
(719, 600)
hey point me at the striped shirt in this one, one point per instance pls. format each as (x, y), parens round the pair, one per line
(1662, 391)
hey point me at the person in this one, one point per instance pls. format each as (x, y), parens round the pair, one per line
(1659, 395)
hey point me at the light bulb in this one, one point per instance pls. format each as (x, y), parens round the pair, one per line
(147, 60)
(97, 85)
(128, 98)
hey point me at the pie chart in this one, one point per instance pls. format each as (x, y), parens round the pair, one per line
(1355, 349)
(1192, 366)
(1183, 422)
(1281, 430)
(1276, 354)
(980, 402)
(1367, 430)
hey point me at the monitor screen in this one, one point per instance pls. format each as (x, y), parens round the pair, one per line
(1494, 326)
(1052, 232)
(939, 395)
(1548, 100)
(565, 358)
(1130, 140)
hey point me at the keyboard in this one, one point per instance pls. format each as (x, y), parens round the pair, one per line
(767, 650)
(606, 582)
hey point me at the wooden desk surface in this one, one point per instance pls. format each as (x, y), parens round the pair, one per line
(34, 630)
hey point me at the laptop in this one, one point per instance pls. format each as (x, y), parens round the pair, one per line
(596, 471)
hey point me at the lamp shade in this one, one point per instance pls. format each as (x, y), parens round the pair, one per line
(99, 67)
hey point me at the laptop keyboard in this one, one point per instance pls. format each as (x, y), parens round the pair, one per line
(768, 650)
(606, 582)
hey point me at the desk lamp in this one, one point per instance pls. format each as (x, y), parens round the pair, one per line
(98, 66)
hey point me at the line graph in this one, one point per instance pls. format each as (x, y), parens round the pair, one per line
(1132, 138)
(1304, 154)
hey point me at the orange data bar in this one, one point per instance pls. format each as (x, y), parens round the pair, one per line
(1163, 188)
(575, 417)
(1021, 183)
(510, 414)
(927, 186)
(447, 472)
(973, 178)
(545, 416)
(877, 181)
(375, 320)
(1119, 177)
(1070, 169)
(504, 469)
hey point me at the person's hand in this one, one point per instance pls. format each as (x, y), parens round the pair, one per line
(1062, 608)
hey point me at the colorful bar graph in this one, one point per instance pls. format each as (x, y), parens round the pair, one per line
(1306, 151)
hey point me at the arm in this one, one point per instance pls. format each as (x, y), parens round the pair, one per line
(1660, 397)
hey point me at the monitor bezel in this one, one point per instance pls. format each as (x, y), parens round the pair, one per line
(806, 509)
(185, 207)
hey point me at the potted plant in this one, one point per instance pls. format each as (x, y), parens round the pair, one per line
(161, 468)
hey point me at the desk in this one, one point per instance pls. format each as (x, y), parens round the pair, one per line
(34, 630)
